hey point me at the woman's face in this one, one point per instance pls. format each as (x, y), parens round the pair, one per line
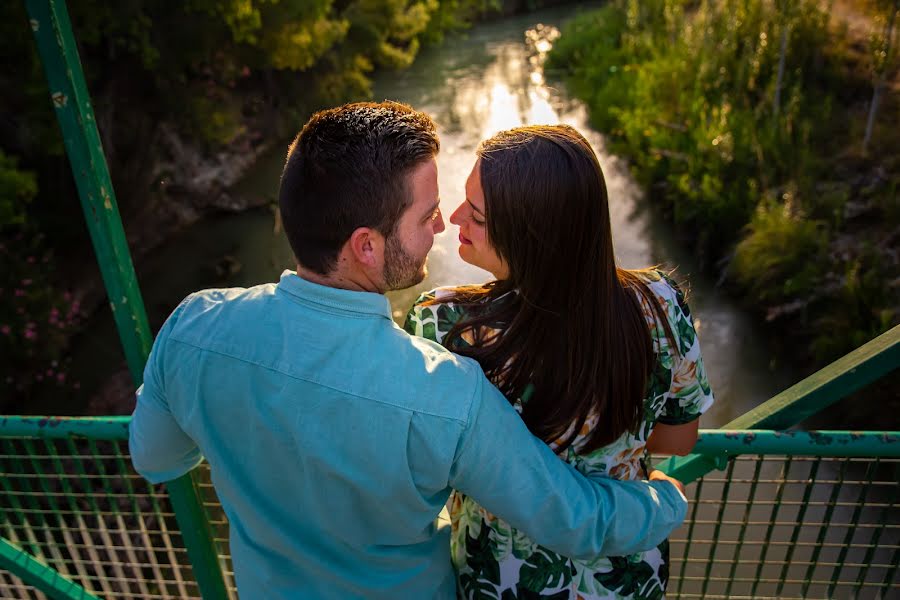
(474, 246)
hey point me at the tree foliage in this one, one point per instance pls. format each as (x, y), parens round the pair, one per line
(735, 114)
(218, 73)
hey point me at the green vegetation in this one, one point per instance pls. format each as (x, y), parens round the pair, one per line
(171, 83)
(745, 121)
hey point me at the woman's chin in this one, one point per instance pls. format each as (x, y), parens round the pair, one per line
(464, 251)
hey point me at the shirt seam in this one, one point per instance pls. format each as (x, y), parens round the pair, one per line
(320, 384)
(335, 307)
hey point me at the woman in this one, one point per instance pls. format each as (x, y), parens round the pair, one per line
(602, 363)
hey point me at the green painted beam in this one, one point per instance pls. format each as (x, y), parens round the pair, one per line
(197, 533)
(72, 104)
(848, 374)
(95, 428)
(799, 443)
(38, 575)
(715, 446)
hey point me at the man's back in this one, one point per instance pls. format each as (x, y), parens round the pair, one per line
(330, 436)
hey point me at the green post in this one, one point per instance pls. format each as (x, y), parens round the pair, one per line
(38, 575)
(72, 103)
(198, 536)
(71, 100)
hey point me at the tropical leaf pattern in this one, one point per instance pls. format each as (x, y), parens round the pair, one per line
(494, 560)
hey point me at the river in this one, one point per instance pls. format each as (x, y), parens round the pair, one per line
(473, 85)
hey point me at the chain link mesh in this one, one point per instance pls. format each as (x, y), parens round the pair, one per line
(766, 527)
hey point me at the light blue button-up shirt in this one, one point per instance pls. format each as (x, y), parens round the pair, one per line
(334, 439)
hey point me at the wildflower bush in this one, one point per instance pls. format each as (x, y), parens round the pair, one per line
(36, 319)
(737, 116)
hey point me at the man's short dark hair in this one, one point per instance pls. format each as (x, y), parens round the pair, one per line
(347, 169)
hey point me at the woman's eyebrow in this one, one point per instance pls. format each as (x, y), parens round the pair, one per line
(475, 208)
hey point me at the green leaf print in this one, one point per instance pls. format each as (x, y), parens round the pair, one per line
(701, 378)
(409, 325)
(660, 381)
(428, 331)
(522, 593)
(663, 570)
(475, 589)
(686, 335)
(522, 547)
(447, 318)
(676, 414)
(480, 558)
(545, 569)
(651, 591)
(626, 577)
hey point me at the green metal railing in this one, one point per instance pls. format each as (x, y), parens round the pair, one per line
(795, 514)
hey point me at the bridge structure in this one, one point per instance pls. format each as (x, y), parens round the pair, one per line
(776, 511)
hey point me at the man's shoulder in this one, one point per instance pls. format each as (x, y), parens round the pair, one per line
(211, 297)
(216, 309)
(210, 301)
(430, 378)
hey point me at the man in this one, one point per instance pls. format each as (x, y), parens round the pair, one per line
(334, 438)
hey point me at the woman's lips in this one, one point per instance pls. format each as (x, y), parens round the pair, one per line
(463, 240)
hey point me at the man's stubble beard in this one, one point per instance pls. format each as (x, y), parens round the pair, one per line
(401, 269)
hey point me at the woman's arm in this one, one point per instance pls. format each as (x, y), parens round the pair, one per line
(673, 439)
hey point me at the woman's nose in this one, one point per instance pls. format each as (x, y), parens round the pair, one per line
(457, 217)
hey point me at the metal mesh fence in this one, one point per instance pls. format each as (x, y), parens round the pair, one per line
(766, 527)
(79, 507)
(791, 527)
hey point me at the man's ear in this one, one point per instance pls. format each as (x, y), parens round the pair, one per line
(366, 245)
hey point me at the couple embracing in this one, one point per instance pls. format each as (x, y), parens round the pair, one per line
(524, 405)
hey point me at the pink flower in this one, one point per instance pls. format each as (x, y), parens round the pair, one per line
(19, 293)
(5, 330)
(61, 377)
(26, 282)
(30, 334)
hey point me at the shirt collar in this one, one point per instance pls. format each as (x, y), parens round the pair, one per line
(335, 298)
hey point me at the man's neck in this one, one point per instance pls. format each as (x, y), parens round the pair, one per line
(339, 280)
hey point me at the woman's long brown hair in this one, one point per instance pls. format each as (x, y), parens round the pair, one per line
(573, 326)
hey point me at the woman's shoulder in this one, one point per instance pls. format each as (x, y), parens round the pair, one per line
(667, 292)
(662, 284)
(434, 313)
(438, 295)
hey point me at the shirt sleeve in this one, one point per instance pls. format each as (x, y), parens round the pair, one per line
(160, 449)
(689, 394)
(517, 477)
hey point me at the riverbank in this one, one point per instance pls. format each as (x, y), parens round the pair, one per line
(746, 127)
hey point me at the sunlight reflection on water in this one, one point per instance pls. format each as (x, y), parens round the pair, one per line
(509, 91)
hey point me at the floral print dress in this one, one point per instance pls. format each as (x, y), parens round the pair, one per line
(494, 560)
